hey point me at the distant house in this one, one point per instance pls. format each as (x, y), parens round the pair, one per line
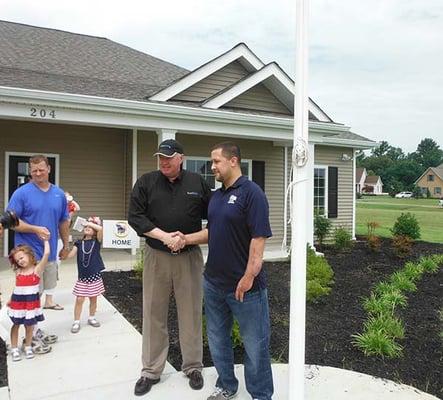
(432, 180)
(365, 183)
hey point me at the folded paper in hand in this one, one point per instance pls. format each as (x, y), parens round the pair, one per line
(79, 224)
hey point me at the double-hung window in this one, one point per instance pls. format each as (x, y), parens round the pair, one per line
(321, 190)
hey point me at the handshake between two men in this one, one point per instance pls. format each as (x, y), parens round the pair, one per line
(175, 241)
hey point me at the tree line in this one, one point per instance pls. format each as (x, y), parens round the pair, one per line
(399, 171)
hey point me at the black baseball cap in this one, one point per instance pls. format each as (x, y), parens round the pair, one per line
(169, 148)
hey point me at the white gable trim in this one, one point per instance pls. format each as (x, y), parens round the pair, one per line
(283, 88)
(240, 52)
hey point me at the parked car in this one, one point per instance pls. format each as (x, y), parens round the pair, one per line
(403, 195)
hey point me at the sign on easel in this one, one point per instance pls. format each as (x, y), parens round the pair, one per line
(117, 234)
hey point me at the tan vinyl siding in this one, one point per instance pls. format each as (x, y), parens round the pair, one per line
(199, 146)
(331, 156)
(147, 144)
(214, 83)
(91, 163)
(258, 98)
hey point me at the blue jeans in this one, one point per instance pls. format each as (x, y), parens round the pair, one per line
(253, 318)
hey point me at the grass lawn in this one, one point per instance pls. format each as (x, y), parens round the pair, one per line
(385, 210)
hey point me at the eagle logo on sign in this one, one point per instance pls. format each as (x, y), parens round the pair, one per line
(121, 229)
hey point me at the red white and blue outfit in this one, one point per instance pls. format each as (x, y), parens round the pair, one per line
(89, 266)
(24, 307)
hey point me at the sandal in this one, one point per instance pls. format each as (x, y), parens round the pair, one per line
(57, 307)
(75, 327)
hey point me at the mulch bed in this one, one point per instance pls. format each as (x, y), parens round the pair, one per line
(330, 322)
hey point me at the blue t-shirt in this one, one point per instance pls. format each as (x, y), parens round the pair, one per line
(235, 216)
(37, 207)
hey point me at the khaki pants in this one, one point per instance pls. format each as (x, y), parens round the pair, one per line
(183, 273)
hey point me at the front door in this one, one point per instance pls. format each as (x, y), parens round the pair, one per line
(18, 176)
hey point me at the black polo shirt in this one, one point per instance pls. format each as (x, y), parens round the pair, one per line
(235, 216)
(171, 206)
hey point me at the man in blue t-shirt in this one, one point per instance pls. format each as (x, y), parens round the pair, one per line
(42, 209)
(234, 283)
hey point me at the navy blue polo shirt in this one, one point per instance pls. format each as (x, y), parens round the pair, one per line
(235, 216)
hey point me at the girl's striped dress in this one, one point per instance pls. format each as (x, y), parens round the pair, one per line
(24, 307)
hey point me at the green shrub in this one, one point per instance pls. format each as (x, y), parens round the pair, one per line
(342, 239)
(314, 290)
(235, 335)
(438, 258)
(390, 325)
(402, 282)
(138, 266)
(319, 276)
(322, 226)
(413, 271)
(376, 305)
(429, 265)
(406, 225)
(377, 343)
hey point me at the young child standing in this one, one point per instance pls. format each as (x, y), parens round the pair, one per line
(89, 266)
(24, 307)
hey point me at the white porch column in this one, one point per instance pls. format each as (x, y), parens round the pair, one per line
(354, 195)
(310, 195)
(165, 134)
(134, 168)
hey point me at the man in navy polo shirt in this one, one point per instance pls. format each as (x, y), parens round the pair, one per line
(234, 282)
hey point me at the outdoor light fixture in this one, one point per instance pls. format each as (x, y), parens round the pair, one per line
(346, 157)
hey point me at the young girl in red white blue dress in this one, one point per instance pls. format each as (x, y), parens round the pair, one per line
(24, 307)
(89, 265)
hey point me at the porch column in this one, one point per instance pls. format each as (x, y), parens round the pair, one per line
(310, 195)
(134, 168)
(354, 195)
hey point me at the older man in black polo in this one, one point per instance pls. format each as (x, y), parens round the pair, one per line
(163, 202)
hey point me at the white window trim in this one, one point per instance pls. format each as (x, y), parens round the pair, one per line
(217, 183)
(325, 167)
(6, 180)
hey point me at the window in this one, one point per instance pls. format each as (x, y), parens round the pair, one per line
(437, 190)
(202, 166)
(430, 178)
(320, 190)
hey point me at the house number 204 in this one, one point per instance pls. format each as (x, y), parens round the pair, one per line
(41, 113)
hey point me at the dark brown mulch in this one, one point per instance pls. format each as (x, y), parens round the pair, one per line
(3, 365)
(331, 322)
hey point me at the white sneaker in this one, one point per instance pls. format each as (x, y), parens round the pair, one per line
(29, 353)
(93, 322)
(15, 354)
(75, 327)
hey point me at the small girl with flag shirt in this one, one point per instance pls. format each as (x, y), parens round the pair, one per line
(24, 307)
(89, 267)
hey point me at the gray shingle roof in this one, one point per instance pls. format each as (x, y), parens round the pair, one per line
(49, 59)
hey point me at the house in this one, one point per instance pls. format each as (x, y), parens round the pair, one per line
(370, 184)
(432, 180)
(98, 110)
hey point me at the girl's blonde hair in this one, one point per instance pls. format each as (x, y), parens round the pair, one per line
(27, 250)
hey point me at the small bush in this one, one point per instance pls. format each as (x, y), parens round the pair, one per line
(342, 239)
(138, 266)
(319, 276)
(377, 343)
(402, 282)
(390, 325)
(413, 271)
(235, 335)
(406, 225)
(429, 265)
(402, 245)
(376, 305)
(322, 226)
(372, 226)
(374, 243)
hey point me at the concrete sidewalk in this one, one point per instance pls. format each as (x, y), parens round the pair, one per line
(104, 363)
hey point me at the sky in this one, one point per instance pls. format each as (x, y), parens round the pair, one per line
(375, 66)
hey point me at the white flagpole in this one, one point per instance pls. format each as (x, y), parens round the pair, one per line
(299, 217)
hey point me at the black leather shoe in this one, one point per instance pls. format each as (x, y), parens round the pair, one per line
(195, 380)
(144, 385)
